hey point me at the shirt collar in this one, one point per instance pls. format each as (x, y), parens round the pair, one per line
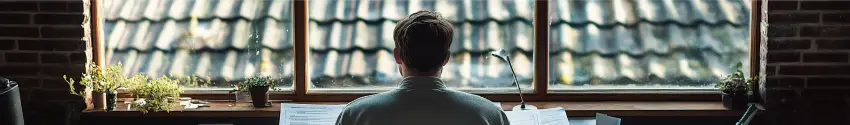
(422, 82)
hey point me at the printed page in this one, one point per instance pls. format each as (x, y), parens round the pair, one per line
(523, 117)
(553, 116)
(309, 114)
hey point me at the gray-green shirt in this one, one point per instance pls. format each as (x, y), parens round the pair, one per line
(422, 100)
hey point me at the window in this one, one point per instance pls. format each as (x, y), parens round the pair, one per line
(645, 44)
(351, 42)
(345, 46)
(217, 42)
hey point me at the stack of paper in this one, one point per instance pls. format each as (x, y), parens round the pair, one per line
(552, 116)
(312, 114)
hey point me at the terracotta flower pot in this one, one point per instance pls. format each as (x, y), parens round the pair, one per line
(734, 101)
(98, 100)
(259, 96)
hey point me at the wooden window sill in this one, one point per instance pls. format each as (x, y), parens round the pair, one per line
(573, 109)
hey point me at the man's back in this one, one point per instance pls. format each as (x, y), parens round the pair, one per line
(422, 101)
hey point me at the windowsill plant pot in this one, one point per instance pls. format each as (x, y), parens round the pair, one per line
(111, 98)
(98, 100)
(735, 101)
(259, 96)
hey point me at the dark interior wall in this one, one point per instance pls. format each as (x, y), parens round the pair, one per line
(807, 62)
(39, 42)
(808, 67)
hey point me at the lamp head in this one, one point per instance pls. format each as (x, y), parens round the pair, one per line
(501, 53)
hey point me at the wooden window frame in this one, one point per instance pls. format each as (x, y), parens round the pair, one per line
(301, 93)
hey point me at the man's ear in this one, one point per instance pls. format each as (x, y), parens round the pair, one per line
(448, 56)
(397, 56)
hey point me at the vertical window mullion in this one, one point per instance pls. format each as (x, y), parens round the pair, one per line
(300, 45)
(541, 49)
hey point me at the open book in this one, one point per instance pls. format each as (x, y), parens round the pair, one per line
(551, 116)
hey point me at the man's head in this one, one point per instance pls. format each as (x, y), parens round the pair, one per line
(422, 42)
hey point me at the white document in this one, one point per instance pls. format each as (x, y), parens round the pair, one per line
(552, 116)
(309, 114)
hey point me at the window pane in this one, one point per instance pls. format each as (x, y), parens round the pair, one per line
(219, 42)
(646, 44)
(351, 42)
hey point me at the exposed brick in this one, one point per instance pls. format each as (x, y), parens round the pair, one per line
(782, 5)
(826, 57)
(19, 31)
(54, 71)
(58, 18)
(53, 6)
(78, 58)
(18, 6)
(784, 82)
(780, 57)
(825, 31)
(794, 18)
(54, 58)
(833, 44)
(26, 82)
(782, 31)
(19, 70)
(815, 70)
(828, 82)
(22, 57)
(62, 32)
(836, 18)
(823, 5)
(51, 45)
(75, 6)
(14, 18)
(7, 44)
(55, 83)
(788, 44)
(54, 95)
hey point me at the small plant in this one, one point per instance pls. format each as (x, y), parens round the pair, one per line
(735, 83)
(252, 82)
(157, 94)
(104, 80)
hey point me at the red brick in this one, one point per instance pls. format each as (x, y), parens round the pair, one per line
(58, 71)
(75, 6)
(782, 31)
(26, 82)
(58, 18)
(784, 82)
(823, 5)
(51, 45)
(78, 58)
(7, 44)
(53, 6)
(18, 31)
(828, 82)
(54, 58)
(18, 6)
(14, 18)
(826, 57)
(815, 70)
(782, 5)
(836, 18)
(781, 57)
(55, 83)
(19, 70)
(825, 31)
(43, 94)
(771, 71)
(788, 44)
(62, 32)
(794, 18)
(21, 57)
(833, 44)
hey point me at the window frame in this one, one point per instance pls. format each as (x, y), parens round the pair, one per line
(301, 92)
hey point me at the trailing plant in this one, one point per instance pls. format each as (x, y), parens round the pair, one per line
(108, 79)
(159, 94)
(734, 83)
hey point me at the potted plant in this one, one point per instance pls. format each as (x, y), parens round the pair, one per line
(155, 95)
(734, 88)
(258, 87)
(103, 84)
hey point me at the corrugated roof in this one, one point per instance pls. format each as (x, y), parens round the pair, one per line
(677, 42)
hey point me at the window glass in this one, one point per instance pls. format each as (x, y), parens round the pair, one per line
(351, 42)
(215, 42)
(646, 44)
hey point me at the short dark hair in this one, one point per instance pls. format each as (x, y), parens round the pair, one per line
(423, 40)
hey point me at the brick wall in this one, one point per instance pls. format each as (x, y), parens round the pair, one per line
(808, 62)
(39, 42)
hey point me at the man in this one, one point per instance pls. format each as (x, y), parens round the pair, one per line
(422, 42)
